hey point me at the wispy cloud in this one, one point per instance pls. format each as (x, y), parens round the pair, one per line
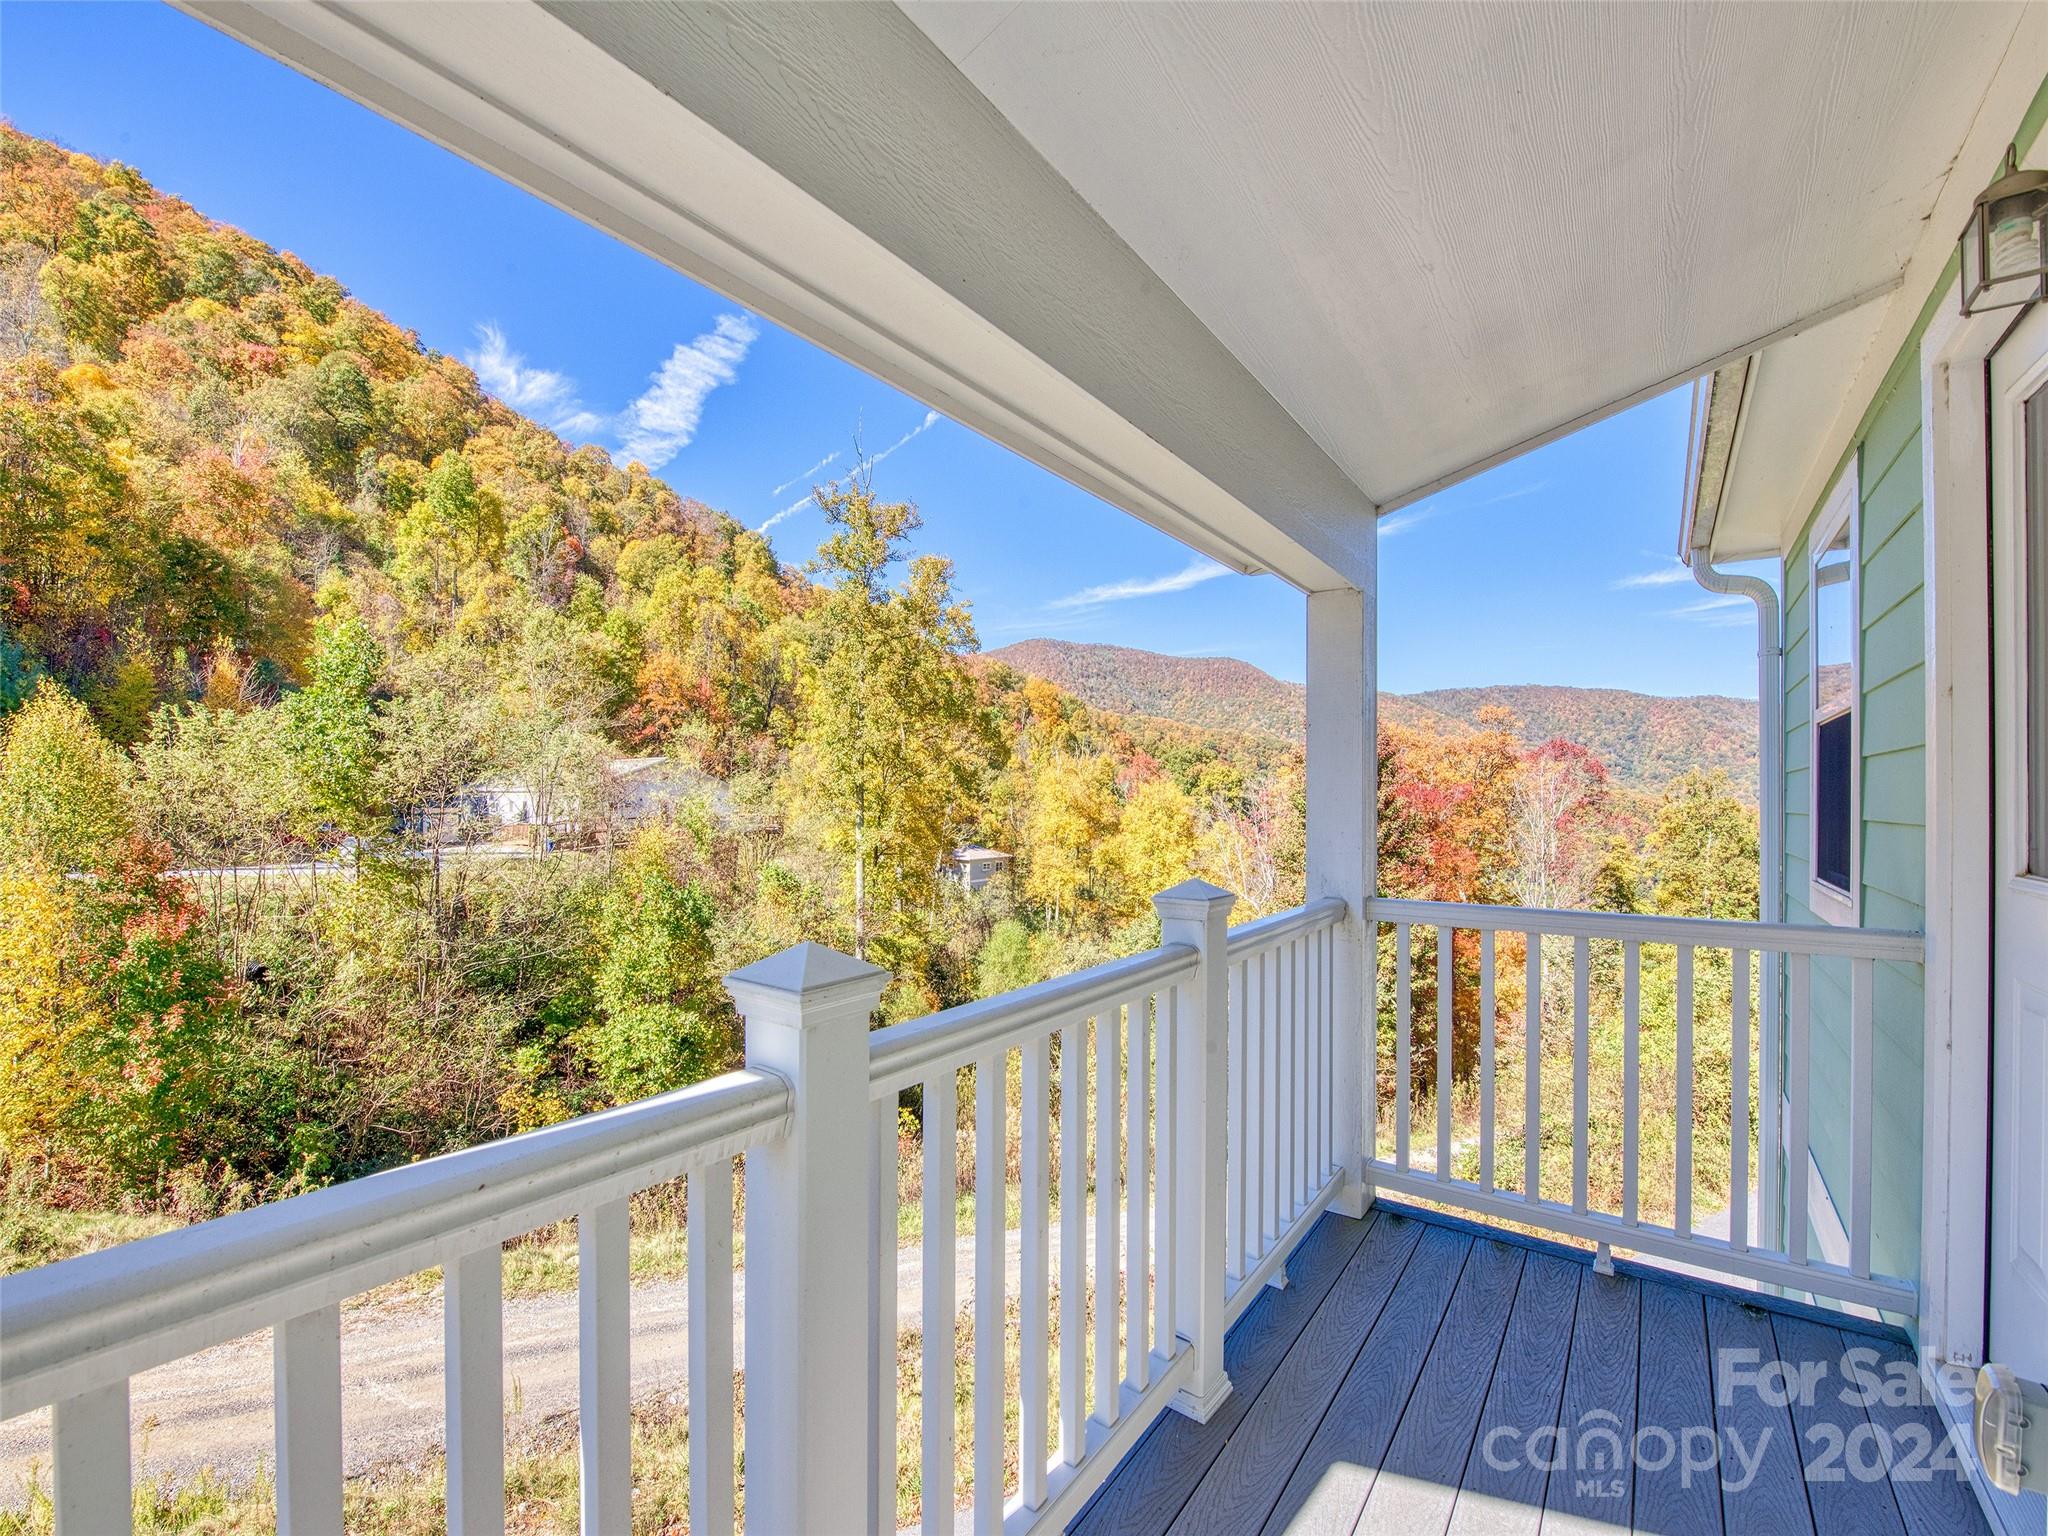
(1662, 576)
(659, 425)
(1142, 586)
(547, 396)
(1722, 610)
(931, 419)
(1394, 524)
(805, 474)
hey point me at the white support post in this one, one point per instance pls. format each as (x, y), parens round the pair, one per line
(1343, 798)
(1198, 914)
(809, 1203)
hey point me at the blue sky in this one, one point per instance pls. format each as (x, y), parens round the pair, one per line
(1554, 569)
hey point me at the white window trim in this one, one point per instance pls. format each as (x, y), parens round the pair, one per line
(1828, 902)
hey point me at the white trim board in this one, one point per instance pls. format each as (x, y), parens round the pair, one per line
(1956, 1054)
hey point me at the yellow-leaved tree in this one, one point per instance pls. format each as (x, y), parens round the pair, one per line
(46, 1006)
(891, 746)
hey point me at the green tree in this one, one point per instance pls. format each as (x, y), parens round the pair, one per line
(62, 787)
(1702, 850)
(888, 749)
(329, 726)
(664, 1022)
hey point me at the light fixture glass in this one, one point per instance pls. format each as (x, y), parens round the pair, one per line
(2005, 244)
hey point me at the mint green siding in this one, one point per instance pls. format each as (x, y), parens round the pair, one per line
(1892, 829)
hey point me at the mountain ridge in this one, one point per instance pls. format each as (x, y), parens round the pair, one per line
(1645, 740)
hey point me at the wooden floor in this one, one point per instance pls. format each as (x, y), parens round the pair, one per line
(1406, 1347)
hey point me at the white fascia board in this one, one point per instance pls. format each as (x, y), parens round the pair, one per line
(836, 174)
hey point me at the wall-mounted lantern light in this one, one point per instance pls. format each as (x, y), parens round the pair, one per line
(2005, 244)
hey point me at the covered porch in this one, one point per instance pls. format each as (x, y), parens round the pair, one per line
(1258, 276)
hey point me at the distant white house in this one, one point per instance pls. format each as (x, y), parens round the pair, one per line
(645, 788)
(642, 789)
(974, 868)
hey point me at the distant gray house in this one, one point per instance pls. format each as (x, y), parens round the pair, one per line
(974, 868)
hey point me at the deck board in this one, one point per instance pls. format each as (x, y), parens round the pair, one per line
(1501, 1493)
(1835, 1438)
(1677, 1490)
(1333, 1476)
(1418, 1481)
(1596, 1486)
(1147, 1491)
(1762, 1492)
(1240, 1487)
(1422, 1375)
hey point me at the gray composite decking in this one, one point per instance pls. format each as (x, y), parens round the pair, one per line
(1368, 1391)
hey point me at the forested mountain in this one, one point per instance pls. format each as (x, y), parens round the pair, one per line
(1646, 741)
(281, 589)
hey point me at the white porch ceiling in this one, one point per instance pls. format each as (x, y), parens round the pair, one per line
(1251, 271)
(1437, 233)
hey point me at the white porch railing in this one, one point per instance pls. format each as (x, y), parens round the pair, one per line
(1784, 1089)
(1177, 1126)
(72, 1334)
(1284, 1163)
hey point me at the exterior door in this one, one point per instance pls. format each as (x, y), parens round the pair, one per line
(2019, 850)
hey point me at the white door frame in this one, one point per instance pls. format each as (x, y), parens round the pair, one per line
(1956, 1163)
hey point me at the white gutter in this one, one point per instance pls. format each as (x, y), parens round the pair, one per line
(1716, 424)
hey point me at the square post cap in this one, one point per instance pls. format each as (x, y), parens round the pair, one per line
(1193, 898)
(805, 977)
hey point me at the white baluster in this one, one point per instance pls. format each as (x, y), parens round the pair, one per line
(604, 1423)
(1404, 1026)
(1532, 1070)
(1631, 1068)
(1073, 1240)
(1033, 1304)
(941, 1223)
(1167, 1156)
(89, 1458)
(1274, 1086)
(1770, 1139)
(1108, 1167)
(1582, 1129)
(883, 1323)
(1738, 1103)
(1242, 1135)
(990, 1177)
(1862, 1107)
(1446, 997)
(1486, 1050)
(1682, 1194)
(473, 1329)
(1799, 1091)
(1137, 1193)
(709, 1232)
(306, 1365)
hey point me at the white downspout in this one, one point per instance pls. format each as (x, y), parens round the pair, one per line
(1770, 669)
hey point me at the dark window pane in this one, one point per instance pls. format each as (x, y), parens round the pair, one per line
(1834, 775)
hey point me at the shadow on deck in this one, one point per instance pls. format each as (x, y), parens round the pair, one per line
(1421, 1375)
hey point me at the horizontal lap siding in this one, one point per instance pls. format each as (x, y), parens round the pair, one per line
(1892, 769)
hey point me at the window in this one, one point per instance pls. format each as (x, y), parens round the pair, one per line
(1834, 691)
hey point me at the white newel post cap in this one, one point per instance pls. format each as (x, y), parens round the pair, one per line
(806, 985)
(1193, 899)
